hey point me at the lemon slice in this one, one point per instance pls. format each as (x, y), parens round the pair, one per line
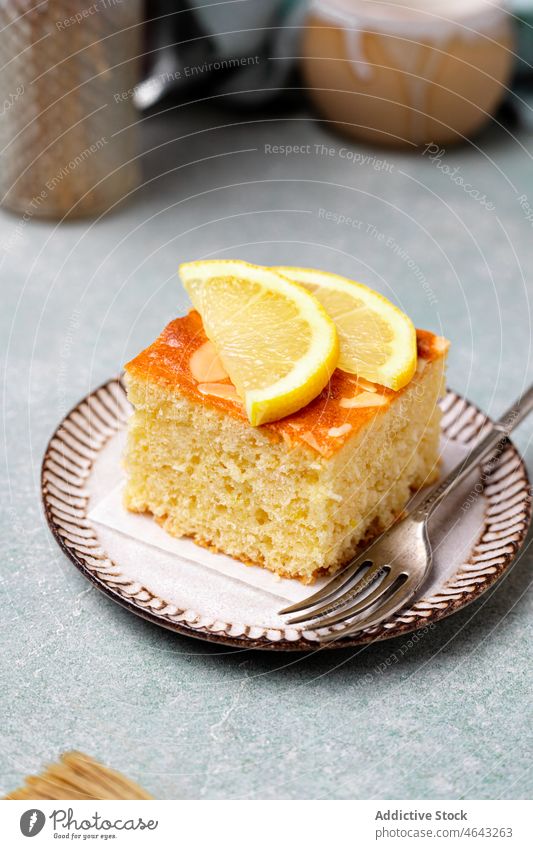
(377, 340)
(275, 340)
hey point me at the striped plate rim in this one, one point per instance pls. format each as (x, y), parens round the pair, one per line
(68, 463)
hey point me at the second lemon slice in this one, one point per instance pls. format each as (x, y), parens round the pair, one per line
(275, 339)
(377, 340)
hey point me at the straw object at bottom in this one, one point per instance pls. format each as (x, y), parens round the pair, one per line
(78, 776)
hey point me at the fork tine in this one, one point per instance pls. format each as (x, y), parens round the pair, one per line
(342, 600)
(331, 587)
(396, 601)
(380, 591)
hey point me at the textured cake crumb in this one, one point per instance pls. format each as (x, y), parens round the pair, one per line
(205, 474)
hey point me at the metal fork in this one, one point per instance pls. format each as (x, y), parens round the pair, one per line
(401, 557)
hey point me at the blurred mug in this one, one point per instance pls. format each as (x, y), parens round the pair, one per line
(408, 72)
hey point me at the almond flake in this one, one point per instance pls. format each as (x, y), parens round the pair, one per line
(311, 440)
(365, 385)
(364, 399)
(440, 344)
(205, 364)
(340, 431)
(219, 390)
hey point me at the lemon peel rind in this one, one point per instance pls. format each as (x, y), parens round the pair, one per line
(400, 370)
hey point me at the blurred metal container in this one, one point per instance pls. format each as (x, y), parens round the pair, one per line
(68, 135)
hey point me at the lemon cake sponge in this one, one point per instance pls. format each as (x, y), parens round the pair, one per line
(297, 496)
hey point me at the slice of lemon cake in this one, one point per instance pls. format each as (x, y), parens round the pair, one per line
(297, 496)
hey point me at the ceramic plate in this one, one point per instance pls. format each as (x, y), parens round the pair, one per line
(476, 535)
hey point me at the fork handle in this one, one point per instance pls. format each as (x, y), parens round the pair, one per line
(495, 441)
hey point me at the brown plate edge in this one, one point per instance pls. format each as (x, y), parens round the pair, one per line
(303, 644)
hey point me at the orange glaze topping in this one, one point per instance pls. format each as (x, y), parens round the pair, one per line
(182, 359)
